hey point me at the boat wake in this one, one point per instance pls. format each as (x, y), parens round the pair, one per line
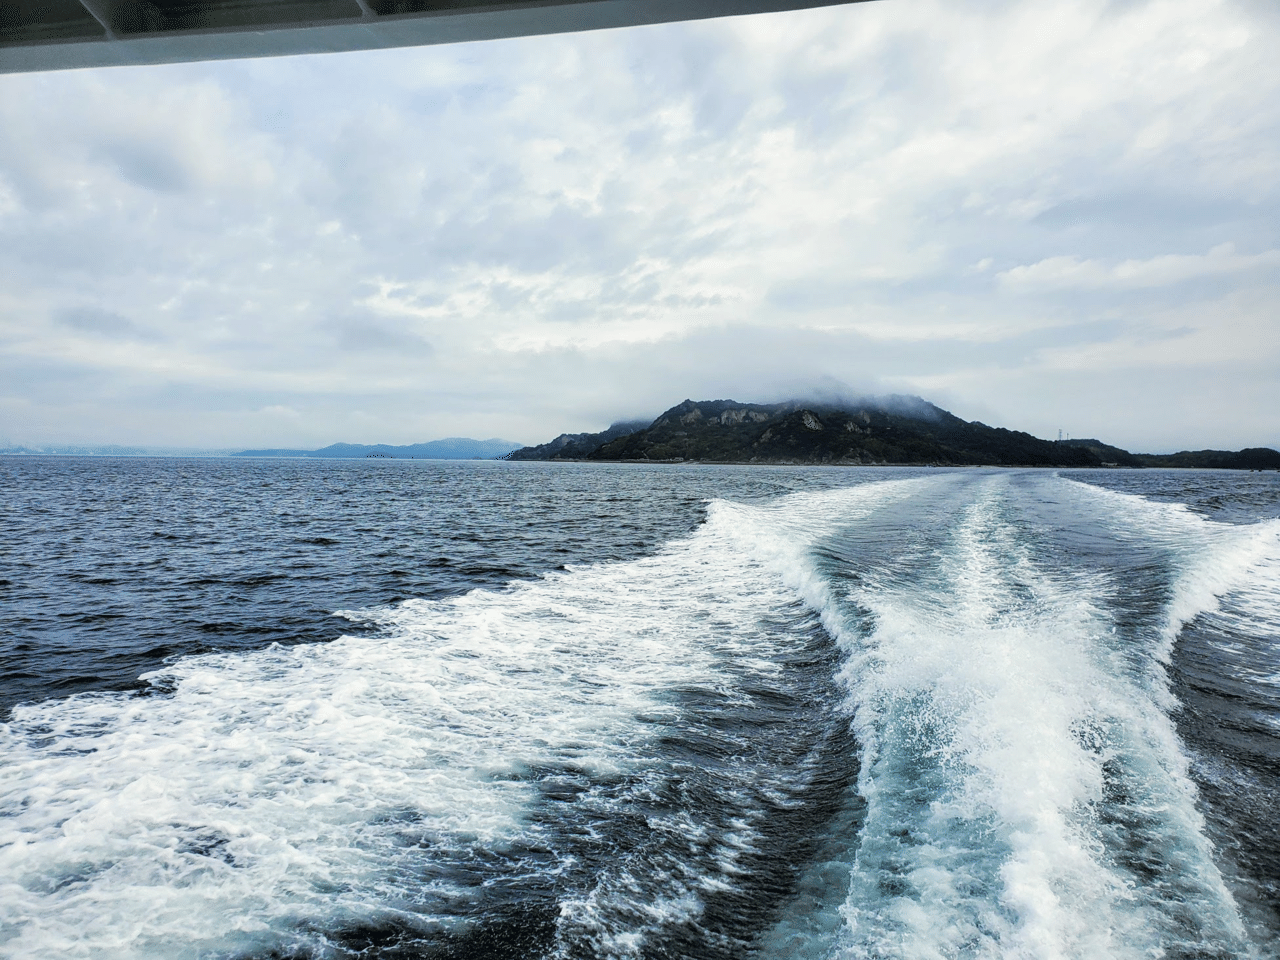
(914, 718)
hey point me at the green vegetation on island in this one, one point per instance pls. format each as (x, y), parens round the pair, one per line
(888, 430)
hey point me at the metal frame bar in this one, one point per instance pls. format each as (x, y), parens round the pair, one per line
(139, 32)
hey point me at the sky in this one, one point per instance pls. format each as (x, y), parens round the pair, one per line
(1045, 215)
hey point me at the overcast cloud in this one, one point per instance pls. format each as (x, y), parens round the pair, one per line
(1048, 214)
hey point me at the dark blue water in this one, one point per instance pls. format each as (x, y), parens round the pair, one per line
(415, 709)
(113, 565)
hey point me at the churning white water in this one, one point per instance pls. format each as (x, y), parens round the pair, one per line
(917, 718)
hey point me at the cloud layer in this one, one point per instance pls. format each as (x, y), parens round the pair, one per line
(1050, 214)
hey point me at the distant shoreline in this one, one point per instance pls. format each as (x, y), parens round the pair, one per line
(655, 463)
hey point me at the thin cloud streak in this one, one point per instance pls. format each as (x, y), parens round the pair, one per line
(1068, 272)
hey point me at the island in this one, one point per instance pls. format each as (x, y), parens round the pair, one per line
(895, 430)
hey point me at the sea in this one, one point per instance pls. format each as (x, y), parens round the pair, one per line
(305, 709)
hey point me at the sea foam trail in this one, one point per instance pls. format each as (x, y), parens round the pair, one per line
(613, 757)
(1210, 561)
(1027, 795)
(267, 802)
(1220, 639)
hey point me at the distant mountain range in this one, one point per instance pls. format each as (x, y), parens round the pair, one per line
(106, 450)
(884, 430)
(453, 448)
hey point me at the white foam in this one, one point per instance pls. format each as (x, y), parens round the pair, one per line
(990, 690)
(760, 556)
(1213, 560)
(295, 790)
(299, 790)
